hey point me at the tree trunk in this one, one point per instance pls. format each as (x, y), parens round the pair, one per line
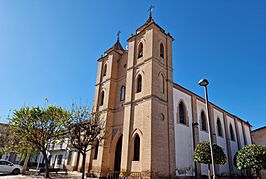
(46, 164)
(21, 158)
(249, 173)
(209, 171)
(26, 161)
(83, 165)
(258, 176)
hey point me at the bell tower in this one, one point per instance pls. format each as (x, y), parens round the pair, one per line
(134, 92)
(148, 131)
(109, 100)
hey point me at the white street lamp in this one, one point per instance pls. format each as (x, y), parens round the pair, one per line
(205, 83)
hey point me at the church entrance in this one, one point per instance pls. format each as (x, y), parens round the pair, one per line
(118, 151)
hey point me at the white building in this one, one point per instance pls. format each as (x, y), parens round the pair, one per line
(59, 155)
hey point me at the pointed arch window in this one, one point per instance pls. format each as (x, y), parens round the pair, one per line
(122, 93)
(96, 149)
(136, 154)
(162, 83)
(161, 50)
(102, 98)
(140, 50)
(203, 121)
(104, 70)
(139, 83)
(182, 113)
(219, 128)
(162, 117)
(232, 134)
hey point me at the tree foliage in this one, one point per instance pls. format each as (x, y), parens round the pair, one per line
(4, 137)
(202, 153)
(86, 132)
(251, 157)
(38, 126)
(19, 144)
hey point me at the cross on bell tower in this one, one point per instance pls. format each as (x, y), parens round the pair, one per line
(118, 35)
(150, 10)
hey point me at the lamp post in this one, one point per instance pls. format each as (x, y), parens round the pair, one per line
(194, 125)
(205, 83)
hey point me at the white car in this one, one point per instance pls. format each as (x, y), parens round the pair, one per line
(7, 167)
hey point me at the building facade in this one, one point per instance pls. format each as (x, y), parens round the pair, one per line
(60, 155)
(4, 137)
(153, 124)
(259, 137)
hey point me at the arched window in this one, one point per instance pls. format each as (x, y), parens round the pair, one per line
(96, 150)
(104, 70)
(136, 148)
(162, 83)
(102, 98)
(140, 50)
(161, 50)
(162, 117)
(122, 93)
(219, 128)
(182, 114)
(203, 121)
(139, 83)
(232, 134)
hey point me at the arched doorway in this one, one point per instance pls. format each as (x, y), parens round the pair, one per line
(118, 151)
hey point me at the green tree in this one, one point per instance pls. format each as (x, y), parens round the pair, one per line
(10, 142)
(39, 126)
(19, 144)
(251, 156)
(86, 132)
(202, 154)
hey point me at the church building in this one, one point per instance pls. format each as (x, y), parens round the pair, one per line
(154, 124)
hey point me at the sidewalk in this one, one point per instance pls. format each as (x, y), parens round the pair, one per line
(72, 175)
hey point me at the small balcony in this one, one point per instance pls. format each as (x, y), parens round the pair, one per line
(62, 146)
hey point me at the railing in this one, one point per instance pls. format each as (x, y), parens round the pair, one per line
(113, 175)
(57, 146)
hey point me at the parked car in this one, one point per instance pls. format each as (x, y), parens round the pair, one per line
(7, 167)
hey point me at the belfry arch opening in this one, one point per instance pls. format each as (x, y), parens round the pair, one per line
(118, 150)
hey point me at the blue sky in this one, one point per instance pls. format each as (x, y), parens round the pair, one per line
(49, 49)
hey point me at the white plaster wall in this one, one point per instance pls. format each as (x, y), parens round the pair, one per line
(54, 160)
(247, 134)
(203, 135)
(221, 141)
(183, 137)
(74, 158)
(233, 144)
(240, 133)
